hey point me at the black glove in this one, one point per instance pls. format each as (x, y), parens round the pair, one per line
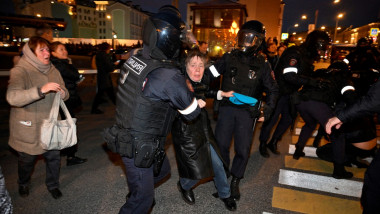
(254, 111)
(319, 83)
(267, 112)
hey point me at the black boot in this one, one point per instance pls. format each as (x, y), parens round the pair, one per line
(229, 203)
(340, 172)
(73, 160)
(298, 153)
(187, 195)
(235, 193)
(263, 149)
(272, 146)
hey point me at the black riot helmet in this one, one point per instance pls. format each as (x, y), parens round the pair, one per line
(317, 43)
(363, 43)
(251, 36)
(164, 32)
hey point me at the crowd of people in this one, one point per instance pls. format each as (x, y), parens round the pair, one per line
(262, 81)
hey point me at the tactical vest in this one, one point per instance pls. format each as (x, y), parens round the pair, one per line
(305, 68)
(330, 95)
(244, 75)
(134, 110)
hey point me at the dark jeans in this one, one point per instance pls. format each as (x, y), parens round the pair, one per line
(98, 97)
(237, 122)
(283, 109)
(26, 165)
(141, 186)
(220, 177)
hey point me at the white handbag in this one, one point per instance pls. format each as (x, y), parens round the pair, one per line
(58, 134)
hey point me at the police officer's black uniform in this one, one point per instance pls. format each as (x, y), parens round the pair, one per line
(367, 105)
(294, 70)
(150, 89)
(365, 65)
(245, 72)
(316, 106)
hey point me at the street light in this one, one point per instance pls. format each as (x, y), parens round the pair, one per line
(323, 27)
(336, 1)
(340, 15)
(295, 25)
(303, 17)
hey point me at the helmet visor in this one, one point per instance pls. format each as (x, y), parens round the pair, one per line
(187, 37)
(247, 39)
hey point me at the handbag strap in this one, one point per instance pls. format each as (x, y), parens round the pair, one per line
(66, 111)
(55, 108)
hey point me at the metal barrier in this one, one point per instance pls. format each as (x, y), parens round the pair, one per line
(81, 71)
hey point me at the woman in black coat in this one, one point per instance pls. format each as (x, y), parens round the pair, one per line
(197, 154)
(71, 77)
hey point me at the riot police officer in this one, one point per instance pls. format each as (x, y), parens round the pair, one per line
(146, 105)
(365, 106)
(365, 65)
(294, 69)
(245, 72)
(316, 106)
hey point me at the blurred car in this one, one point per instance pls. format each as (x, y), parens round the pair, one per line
(340, 51)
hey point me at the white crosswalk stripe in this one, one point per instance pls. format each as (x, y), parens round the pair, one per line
(309, 151)
(320, 183)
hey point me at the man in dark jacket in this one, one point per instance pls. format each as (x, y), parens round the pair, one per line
(105, 67)
(367, 105)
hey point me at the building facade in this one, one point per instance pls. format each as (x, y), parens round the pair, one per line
(269, 12)
(126, 21)
(352, 35)
(218, 21)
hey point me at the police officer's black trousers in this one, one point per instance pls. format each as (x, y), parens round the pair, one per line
(141, 186)
(371, 189)
(313, 112)
(237, 122)
(285, 122)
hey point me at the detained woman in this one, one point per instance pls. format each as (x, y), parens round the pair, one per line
(33, 83)
(71, 77)
(197, 154)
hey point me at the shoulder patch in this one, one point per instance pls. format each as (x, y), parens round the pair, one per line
(135, 64)
(293, 62)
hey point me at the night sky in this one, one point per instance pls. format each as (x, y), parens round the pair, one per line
(357, 12)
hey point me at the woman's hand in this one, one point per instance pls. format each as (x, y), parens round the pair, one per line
(227, 94)
(201, 103)
(62, 93)
(51, 87)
